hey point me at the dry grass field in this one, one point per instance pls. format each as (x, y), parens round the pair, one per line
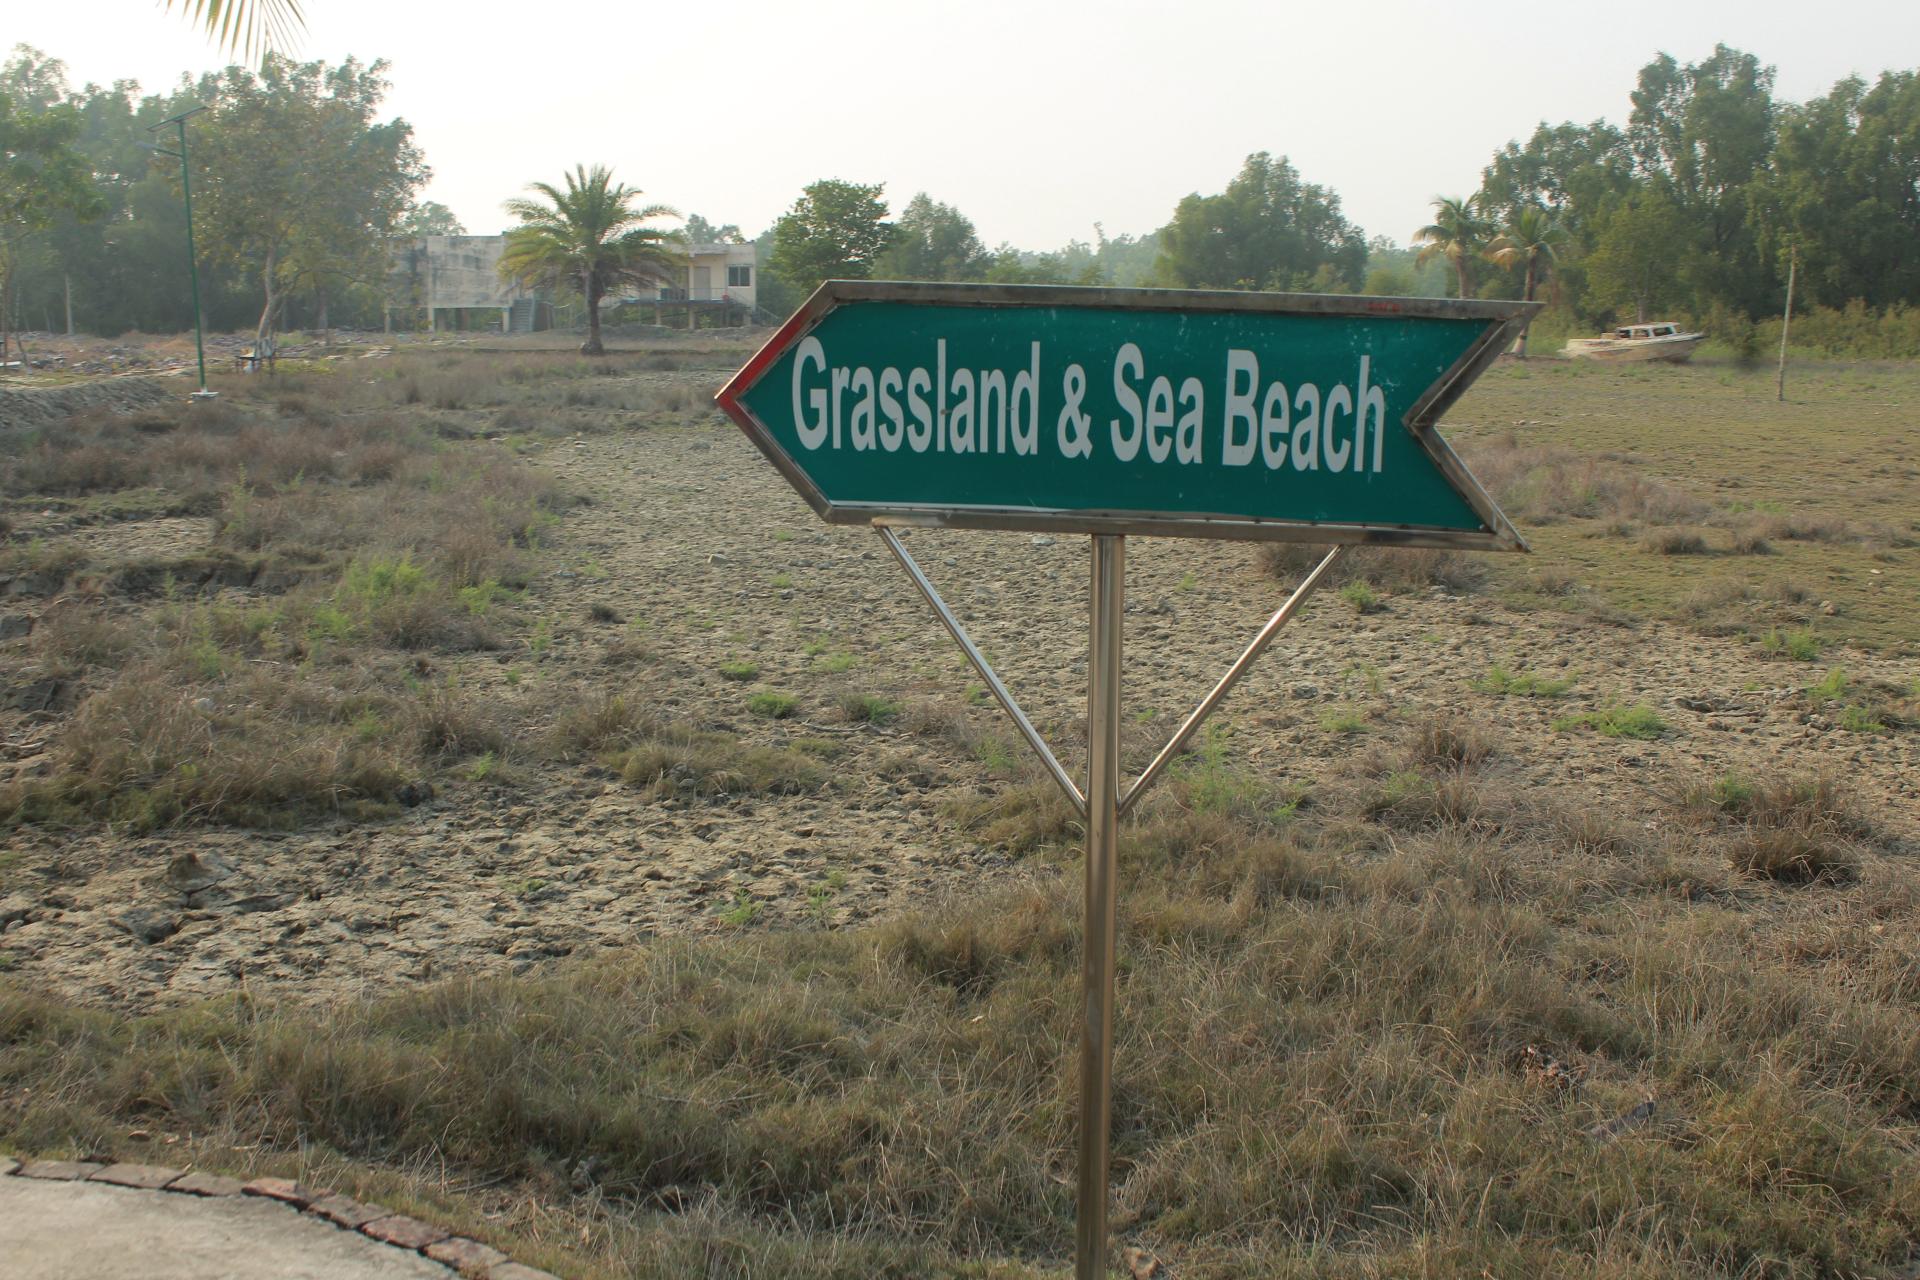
(471, 779)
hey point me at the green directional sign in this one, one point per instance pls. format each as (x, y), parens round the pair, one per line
(1239, 415)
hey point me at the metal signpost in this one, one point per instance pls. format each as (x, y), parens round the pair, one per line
(1113, 412)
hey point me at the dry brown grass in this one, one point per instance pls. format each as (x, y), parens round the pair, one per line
(1322, 1067)
(262, 747)
(1791, 830)
(202, 701)
(1542, 484)
(1388, 568)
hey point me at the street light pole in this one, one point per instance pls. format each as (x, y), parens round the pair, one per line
(193, 265)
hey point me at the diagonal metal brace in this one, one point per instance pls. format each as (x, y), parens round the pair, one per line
(1186, 731)
(1000, 692)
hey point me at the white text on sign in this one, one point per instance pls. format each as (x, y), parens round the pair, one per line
(932, 408)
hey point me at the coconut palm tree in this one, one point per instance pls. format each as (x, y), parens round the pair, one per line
(587, 237)
(1533, 238)
(1458, 233)
(249, 27)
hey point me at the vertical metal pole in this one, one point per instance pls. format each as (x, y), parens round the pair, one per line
(193, 262)
(1786, 319)
(1096, 967)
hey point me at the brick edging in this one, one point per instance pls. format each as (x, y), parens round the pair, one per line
(470, 1258)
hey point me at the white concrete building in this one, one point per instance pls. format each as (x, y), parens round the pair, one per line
(455, 281)
(718, 273)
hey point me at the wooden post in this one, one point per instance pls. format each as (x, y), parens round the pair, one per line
(1786, 319)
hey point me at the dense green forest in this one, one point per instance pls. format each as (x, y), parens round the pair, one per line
(1692, 208)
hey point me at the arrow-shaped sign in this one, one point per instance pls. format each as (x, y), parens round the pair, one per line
(1114, 411)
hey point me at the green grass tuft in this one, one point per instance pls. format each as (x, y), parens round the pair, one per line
(1616, 721)
(773, 705)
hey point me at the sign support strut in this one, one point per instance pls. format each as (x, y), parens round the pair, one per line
(1101, 806)
(1001, 693)
(1281, 617)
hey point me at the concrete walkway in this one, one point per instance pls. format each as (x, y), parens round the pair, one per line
(69, 1221)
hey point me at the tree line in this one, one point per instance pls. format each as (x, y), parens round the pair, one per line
(1692, 209)
(298, 185)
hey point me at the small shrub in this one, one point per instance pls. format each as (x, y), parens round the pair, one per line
(775, 706)
(1800, 645)
(1343, 720)
(1792, 856)
(1447, 742)
(1361, 597)
(446, 723)
(1725, 794)
(1831, 687)
(588, 728)
(738, 671)
(868, 708)
(1674, 542)
(1858, 719)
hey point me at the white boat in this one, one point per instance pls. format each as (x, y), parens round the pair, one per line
(1660, 340)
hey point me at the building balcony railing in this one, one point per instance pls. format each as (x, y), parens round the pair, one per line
(742, 294)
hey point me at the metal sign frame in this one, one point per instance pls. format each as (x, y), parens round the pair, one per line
(1505, 320)
(1105, 801)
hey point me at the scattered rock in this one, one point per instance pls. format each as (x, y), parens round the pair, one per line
(468, 1257)
(189, 872)
(146, 1177)
(404, 1232)
(39, 695)
(347, 1212)
(297, 1194)
(60, 1170)
(1608, 1130)
(206, 1184)
(148, 926)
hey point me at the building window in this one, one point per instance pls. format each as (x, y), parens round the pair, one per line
(739, 277)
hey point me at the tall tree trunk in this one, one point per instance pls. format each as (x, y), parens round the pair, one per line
(592, 347)
(68, 279)
(1464, 280)
(265, 328)
(1526, 295)
(6, 309)
(326, 327)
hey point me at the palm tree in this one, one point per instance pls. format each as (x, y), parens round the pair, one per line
(249, 27)
(1458, 233)
(1533, 238)
(587, 237)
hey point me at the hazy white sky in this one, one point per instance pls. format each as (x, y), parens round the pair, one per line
(1035, 118)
